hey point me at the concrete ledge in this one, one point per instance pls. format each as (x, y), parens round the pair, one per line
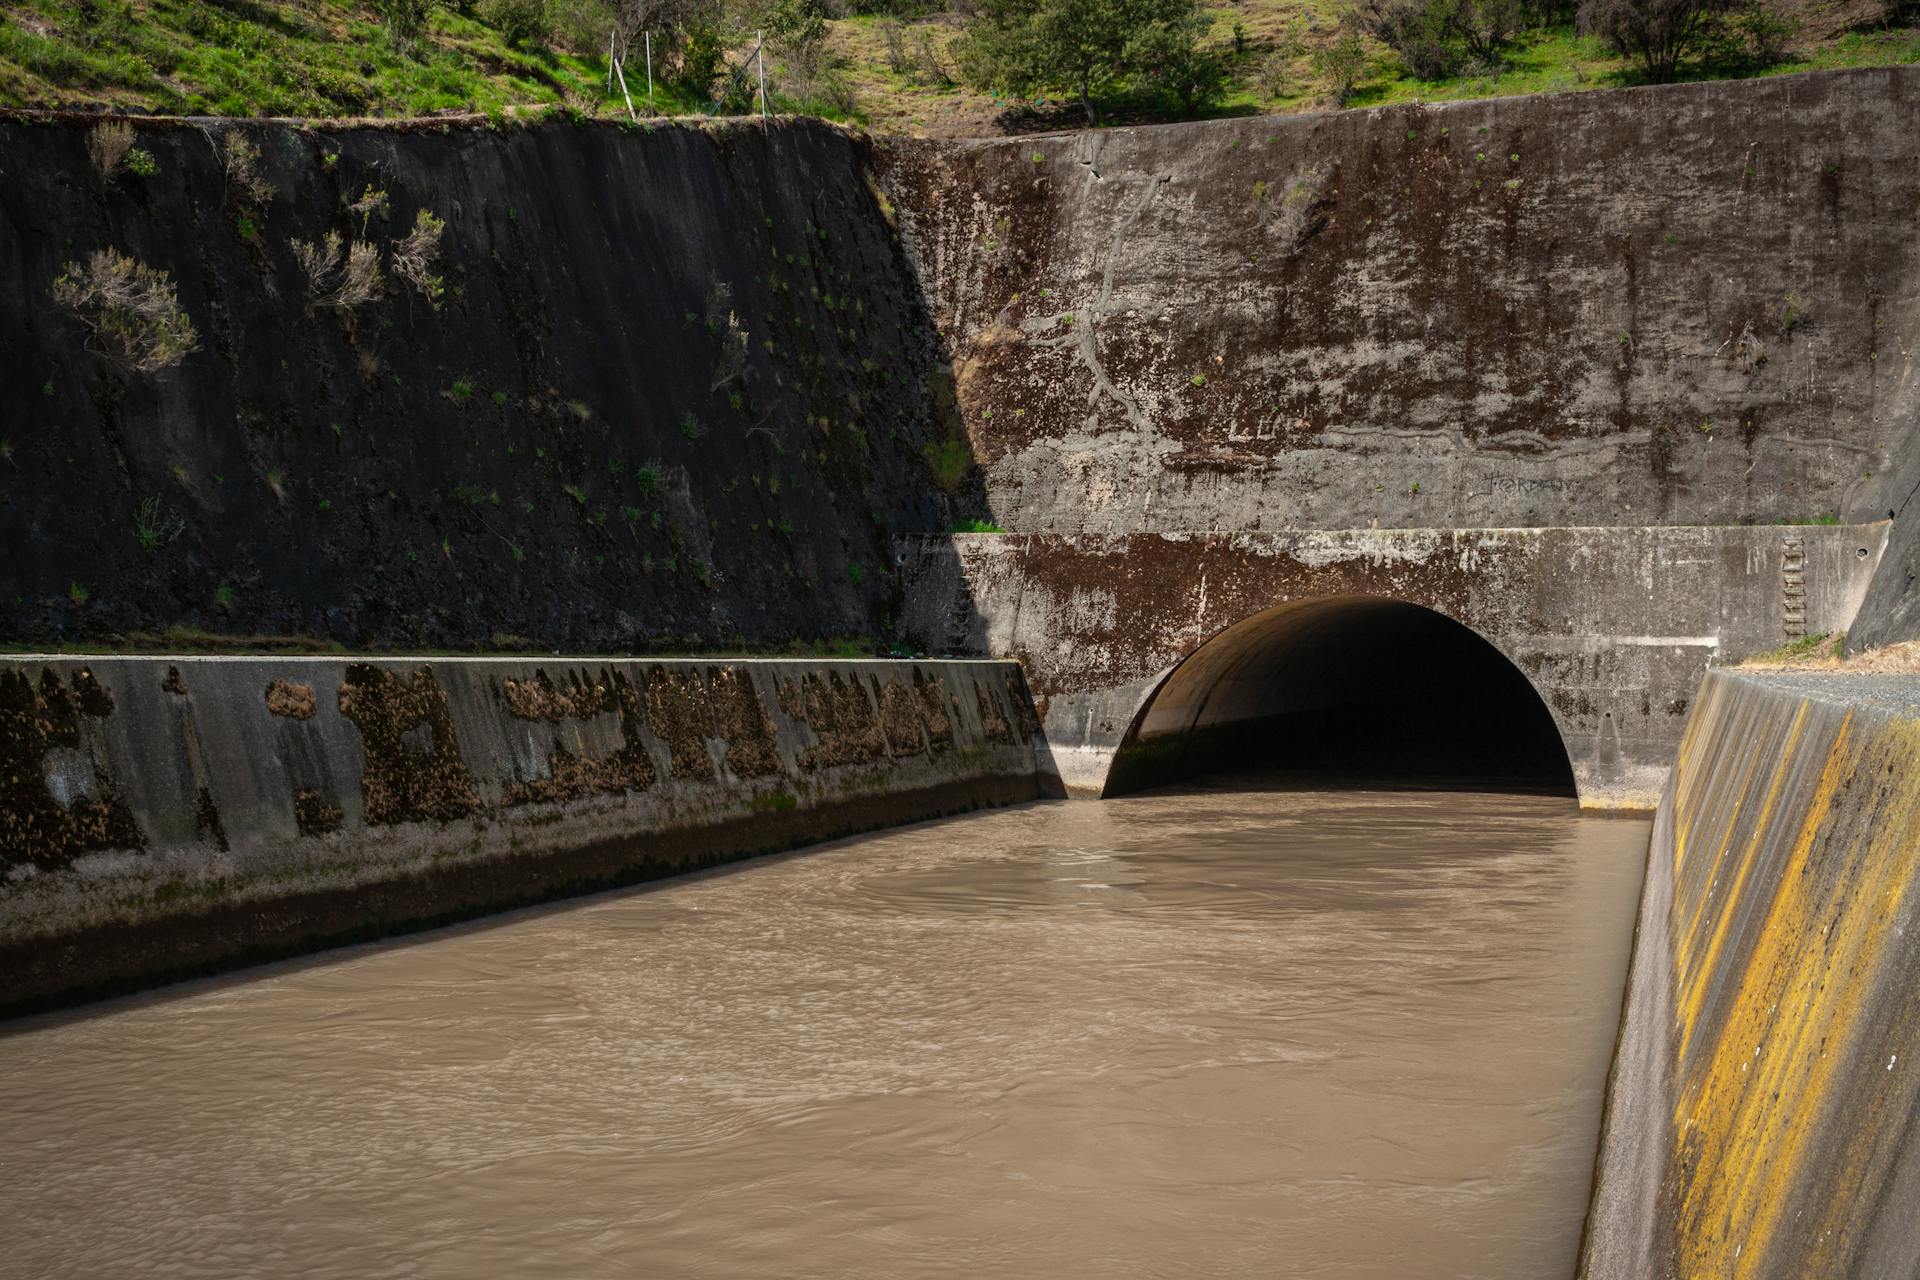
(1764, 1114)
(164, 817)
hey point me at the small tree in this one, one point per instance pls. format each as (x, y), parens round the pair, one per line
(1085, 47)
(703, 52)
(1767, 31)
(799, 28)
(1416, 30)
(894, 32)
(1171, 60)
(241, 159)
(1485, 28)
(1659, 33)
(1275, 77)
(1343, 63)
(689, 39)
(372, 203)
(1436, 38)
(1298, 212)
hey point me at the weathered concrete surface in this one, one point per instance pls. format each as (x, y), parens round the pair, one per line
(681, 383)
(164, 816)
(1764, 1114)
(1693, 304)
(1613, 627)
(675, 393)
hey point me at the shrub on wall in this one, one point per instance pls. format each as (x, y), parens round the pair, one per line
(129, 309)
(415, 257)
(108, 145)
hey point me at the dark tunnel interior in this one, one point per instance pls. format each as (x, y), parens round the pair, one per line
(1347, 691)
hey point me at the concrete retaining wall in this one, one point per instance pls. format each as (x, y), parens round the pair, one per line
(1690, 304)
(168, 815)
(1763, 1115)
(1614, 627)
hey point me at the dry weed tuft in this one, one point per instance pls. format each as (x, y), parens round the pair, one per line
(340, 275)
(130, 309)
(415, 257)
(108, 144)
(241, 157)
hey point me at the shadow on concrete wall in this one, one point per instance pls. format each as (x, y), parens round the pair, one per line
(1890, 614)
(1347, 690)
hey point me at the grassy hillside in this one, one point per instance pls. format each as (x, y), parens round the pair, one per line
(268, 57)
(306, 58)
(337, 58)
(904, 80)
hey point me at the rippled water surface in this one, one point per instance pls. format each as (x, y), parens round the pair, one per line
(1212, 1033)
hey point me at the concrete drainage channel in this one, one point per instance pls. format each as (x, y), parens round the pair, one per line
(172, 816)
(169, 816)
(1559, 423)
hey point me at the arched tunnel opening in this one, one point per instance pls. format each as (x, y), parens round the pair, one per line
(1347, 691)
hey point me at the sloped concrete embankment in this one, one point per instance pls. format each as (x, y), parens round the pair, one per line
(1762, 1117)
(170, 816)
(660, 389)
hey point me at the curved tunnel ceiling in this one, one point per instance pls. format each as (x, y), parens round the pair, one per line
(1347, 689)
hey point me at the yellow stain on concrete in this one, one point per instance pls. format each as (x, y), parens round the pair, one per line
(1750, 1108)
(1873, 1094)
(1695, 789)
(1695, 967)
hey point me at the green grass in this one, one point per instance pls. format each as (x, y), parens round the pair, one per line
(1815, 648)
(1558, 60)
(261, 58)
(318, 58)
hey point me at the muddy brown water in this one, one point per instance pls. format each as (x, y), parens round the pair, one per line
(1214, 1033)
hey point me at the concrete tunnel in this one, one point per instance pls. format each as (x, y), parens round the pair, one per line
(1347, 690)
